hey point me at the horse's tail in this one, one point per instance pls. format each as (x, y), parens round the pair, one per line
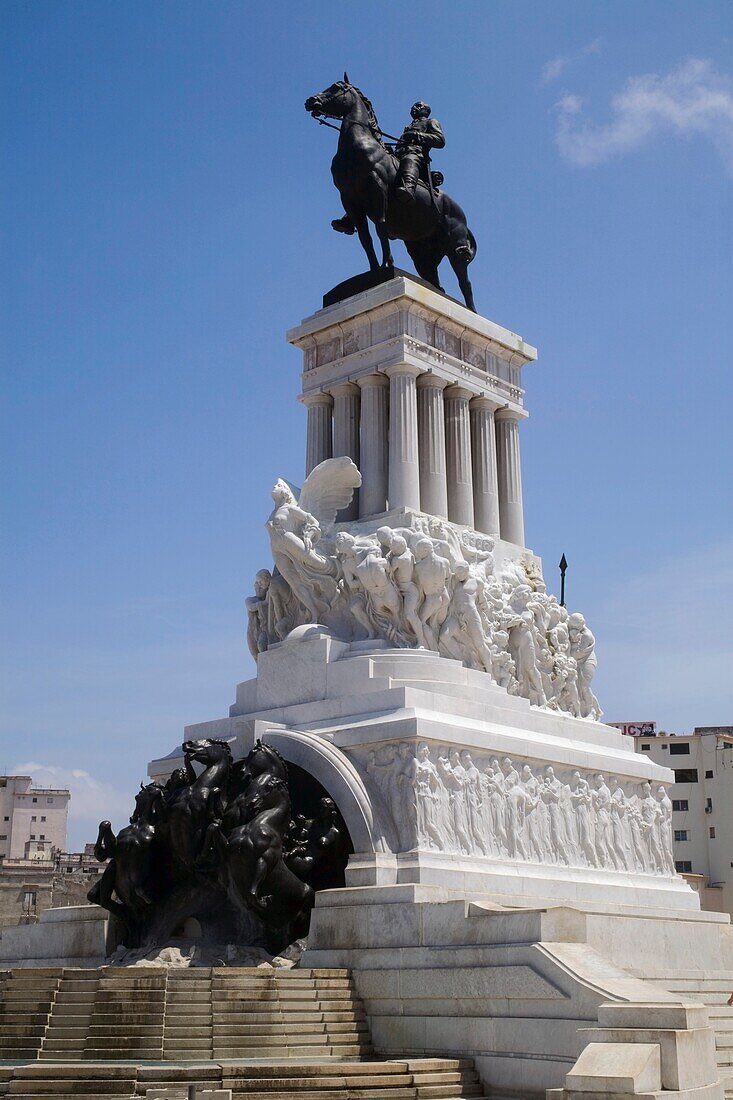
(472, 242)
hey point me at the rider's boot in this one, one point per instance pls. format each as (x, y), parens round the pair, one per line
(406, 189)
(344, 225)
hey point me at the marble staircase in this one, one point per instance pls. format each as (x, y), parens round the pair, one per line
(716, 991)
(113, 1033)
(409, 1079)
(26, 999)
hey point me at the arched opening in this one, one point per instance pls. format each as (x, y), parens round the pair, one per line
(319, 835)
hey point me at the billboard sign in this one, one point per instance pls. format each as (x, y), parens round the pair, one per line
(636, 729)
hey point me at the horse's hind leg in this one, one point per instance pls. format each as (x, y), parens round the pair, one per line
(426, 263)
(459, 264)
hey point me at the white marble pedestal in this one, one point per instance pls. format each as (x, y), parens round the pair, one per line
(380, 729)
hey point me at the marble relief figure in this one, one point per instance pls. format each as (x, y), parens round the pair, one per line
(429, 586)
(463, 803)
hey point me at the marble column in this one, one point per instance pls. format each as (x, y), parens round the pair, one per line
(346, 433)
(374, 463)
(511, 511)
(431, 441)
(483, 454)
(404, 470)
(458, 455)
(319, 442)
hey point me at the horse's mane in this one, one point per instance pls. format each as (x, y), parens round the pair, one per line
(223, 744)
(373, 122)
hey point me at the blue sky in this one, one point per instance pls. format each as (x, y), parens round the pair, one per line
(166, 204)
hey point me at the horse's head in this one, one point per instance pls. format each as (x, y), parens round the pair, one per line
(147, 801)
(335, 102)
(207, 751)
(263, 758)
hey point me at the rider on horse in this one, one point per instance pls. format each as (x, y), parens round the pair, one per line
(413, 149)
(413, 152)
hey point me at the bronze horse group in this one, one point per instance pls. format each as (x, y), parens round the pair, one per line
(365, 172)
(217, 846)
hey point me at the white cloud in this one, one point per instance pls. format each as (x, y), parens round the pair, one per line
(554, 68)
(692, 100)
(665, 644)
(92, 800)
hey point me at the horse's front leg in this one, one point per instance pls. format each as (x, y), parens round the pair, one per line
(361, 222)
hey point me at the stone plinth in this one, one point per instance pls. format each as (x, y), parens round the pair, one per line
(385, 730)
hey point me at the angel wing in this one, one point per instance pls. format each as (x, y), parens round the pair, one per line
(328, 488)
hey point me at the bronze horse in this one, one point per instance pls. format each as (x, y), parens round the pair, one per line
(252, 849)
(188, 806)
(126, 888)
(364, 170)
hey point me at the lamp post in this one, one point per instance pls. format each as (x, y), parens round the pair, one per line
(563, 567)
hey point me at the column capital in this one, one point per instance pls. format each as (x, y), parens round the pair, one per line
(481, 401)
(372, 380)
(320, 398)
(429, 379)
(505, 413)
(344, 389)
(403, 368)
(458, 393)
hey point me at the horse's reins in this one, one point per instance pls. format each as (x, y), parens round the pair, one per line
(322, 122)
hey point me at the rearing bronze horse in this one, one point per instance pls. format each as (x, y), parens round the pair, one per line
(364, 171)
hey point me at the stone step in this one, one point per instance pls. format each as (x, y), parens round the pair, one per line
(21, 1086)
(236, 1015)
(280, 1029)
(22, 1018)
(95, 1095)
(284, 1006)
(21, 1029)
(190, 1044)
(183, 1032)
(102, 1054)
(62, 1032)
(298, 1052)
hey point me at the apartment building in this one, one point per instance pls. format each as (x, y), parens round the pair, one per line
(33, 820)
(702, 801)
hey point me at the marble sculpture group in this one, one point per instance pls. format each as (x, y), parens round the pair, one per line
(427, 586)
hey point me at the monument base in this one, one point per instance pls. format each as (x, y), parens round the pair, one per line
(444, 779)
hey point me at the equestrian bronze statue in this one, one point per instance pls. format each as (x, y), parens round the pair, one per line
(393, 187)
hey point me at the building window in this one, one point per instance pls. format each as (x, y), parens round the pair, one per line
(685, 775)
(33, 836)
(43, 817)
(708, 774)
(712, 832)
(681, 834)
(29, 900)
(708, 805)
(6, 818)
(4, 836)
(684, 866)
(664, 748)
(49, 801)
(69, 870)
(680, 804)
(645, 748)
(34, 818)
(42, 836)
(34, 800)
(679, 750)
